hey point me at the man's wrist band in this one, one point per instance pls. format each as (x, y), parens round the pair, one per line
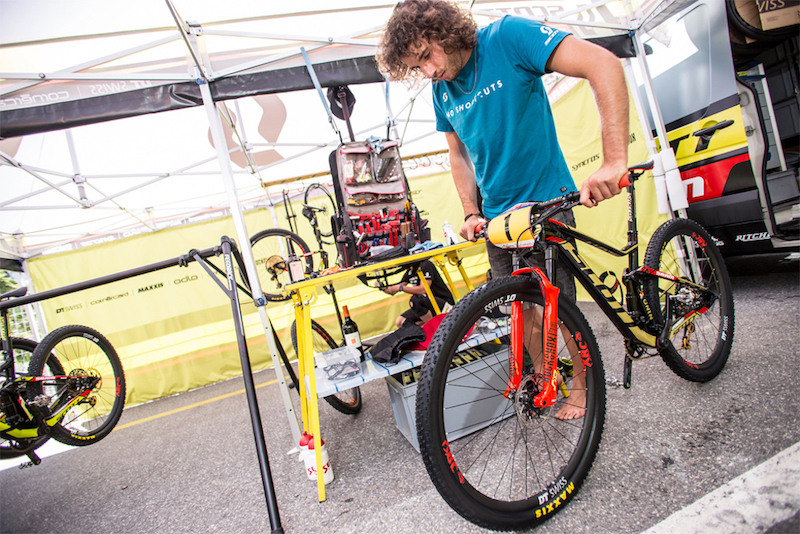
(470, 215)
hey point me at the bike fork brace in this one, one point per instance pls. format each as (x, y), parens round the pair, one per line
(547, 397)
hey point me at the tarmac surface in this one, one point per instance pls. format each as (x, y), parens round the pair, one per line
(188, 463)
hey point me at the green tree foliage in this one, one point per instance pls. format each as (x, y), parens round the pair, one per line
(6, 282)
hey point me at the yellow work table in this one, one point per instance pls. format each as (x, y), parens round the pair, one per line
(304, 295)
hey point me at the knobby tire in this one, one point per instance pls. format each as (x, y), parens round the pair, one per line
(513, 466)
(699, 350)
(81, 351)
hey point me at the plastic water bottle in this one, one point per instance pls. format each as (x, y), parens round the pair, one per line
(303, 445)
(449, 234)
(310, 461)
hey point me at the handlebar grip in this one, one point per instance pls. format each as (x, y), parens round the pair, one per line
(480, 229)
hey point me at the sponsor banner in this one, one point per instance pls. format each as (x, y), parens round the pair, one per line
(578, 127)
(173, 328)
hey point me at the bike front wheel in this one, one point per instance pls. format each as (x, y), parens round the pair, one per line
(88, 360)
(23, 351)
(271, 251)
(347, 401)
(700, 299)
(496, 459)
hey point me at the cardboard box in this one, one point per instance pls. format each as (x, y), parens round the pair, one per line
(776, 14)
(748, 10)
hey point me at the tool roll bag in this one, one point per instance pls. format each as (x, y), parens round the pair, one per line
(373, 199)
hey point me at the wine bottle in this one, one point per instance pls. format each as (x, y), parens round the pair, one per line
(350, 330)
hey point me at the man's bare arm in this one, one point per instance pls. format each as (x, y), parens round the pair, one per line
(603, 70)
(464, 179)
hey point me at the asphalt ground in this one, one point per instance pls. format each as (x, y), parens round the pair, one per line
(188, 463)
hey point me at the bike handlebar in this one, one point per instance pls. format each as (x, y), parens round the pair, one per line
(568, 200)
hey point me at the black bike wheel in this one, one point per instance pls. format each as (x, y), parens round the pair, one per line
(500, 462)
(700, 344)
(271, 250)
(322, 207)
(347, 401)
(23, 351)
(87, 357)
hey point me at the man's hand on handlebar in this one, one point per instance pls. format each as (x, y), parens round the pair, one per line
(602, 185)
(470, 227)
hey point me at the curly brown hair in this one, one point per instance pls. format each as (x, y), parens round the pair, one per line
(414, 21)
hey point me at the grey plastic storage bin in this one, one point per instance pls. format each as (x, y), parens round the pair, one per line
(468, 416)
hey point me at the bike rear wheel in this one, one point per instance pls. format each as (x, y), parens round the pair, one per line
(323, 208)
(86, 357)
(500, 462)
(23, 351)
(271, 250)
(347, 401)
(702, 312)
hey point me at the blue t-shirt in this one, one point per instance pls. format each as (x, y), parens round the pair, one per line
(503, 117)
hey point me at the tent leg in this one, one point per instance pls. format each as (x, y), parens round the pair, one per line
(244, 246)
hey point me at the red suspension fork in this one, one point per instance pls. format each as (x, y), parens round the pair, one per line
(549, 342)
(547, 397)
(517, 345)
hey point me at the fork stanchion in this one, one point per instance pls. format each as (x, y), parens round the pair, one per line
(250, 389)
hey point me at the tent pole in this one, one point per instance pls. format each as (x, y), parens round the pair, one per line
(675, 190)
(247, 252)
(662, 198)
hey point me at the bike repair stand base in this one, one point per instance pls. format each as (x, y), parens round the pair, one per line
(227, 247)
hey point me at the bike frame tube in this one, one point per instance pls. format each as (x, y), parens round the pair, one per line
(53, 420)
(577, 266)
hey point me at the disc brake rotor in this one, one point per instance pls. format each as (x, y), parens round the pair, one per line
(529, 415)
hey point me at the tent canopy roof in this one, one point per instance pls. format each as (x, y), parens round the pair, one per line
(77, 65)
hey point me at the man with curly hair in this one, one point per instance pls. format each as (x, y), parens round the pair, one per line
(491, 105)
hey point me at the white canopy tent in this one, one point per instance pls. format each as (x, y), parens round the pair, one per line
(71, 170)
(85, 151)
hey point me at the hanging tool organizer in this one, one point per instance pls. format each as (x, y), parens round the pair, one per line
(375, 205)
(373, 200)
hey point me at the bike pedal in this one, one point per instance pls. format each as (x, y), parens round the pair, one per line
(35, 460)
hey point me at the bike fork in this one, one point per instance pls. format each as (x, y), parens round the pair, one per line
(547, 397)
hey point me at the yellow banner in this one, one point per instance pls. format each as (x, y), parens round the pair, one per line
(173, 328)
(578, 127)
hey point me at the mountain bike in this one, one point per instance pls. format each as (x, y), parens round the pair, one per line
(520, 462)
(73, 390)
